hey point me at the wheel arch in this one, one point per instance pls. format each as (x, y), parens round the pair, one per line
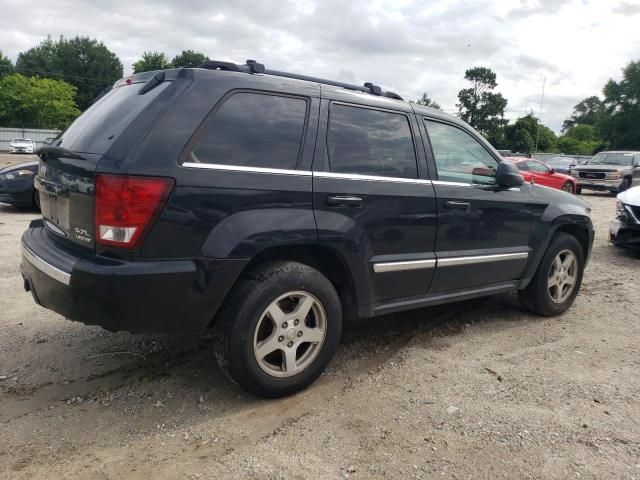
(580, 229)
(324, 259)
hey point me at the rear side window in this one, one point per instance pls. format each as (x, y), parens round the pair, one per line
(370, 142)
(253, 130)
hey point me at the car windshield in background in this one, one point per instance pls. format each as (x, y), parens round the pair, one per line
(612, 159)
(561, 162)
(21, 140)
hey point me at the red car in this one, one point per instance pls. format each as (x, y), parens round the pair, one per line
(537, 172)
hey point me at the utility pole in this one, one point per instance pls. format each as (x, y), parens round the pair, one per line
(544, 81)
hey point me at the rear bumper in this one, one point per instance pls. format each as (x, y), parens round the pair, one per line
(624, 234)
(143, 296)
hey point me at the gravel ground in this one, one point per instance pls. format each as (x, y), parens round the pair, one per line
(479, 389)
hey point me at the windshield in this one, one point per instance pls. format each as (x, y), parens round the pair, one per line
(561, 162)
(21, 140)
(612, 159)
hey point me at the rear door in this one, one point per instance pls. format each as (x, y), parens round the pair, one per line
(483, 230)
(372, 200)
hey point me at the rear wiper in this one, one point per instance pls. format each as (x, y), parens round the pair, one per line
(60, 152)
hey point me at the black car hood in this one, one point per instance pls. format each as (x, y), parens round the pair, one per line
(32, 165)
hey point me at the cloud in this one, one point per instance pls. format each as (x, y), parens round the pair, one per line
(408, 46)
(625, 8)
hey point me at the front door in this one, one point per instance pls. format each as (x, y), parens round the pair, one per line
(483, 230)
(372, 200)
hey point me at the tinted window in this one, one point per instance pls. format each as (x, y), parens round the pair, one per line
(522, 166)
(253, 130)
(96, 129)
(460, 157)
(370, 142)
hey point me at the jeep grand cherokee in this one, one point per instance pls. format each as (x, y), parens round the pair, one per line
(270, 206)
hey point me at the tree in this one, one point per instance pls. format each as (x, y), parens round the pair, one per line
(6, 67)
(589, 111)
(522, 135)
(151, 61)
(84, 62)
(479, 106)
(189, 58)
(427, 101)
(621, 126)
(35, 102)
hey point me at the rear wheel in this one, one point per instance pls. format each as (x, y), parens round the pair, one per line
(568, 187)
(557, 281)
(278, 329)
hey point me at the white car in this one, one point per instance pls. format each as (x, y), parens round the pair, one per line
(625, 228)
(22, 145)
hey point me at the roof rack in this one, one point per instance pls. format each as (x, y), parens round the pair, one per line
(254, 67)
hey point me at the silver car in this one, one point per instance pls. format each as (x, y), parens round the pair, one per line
(609, 171)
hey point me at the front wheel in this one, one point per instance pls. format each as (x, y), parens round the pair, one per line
(568, 187)
(557, 281)
(625, 185)
(278, 329)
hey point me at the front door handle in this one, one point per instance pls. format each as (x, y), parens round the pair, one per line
(456, 205)
(344, 201)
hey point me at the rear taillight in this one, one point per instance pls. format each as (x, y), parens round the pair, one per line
(125, 207)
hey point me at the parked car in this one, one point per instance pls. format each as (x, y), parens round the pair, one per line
(609, 171)
(16, 185)
(22, 145)
(537, 172)
(270, 206)
(562, 164)
(625, 228)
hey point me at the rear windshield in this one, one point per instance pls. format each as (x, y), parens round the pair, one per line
(96, 129)
(603, 158)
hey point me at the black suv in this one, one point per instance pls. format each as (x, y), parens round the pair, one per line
(270, 206)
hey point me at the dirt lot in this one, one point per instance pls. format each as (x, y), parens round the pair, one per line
(479, 389)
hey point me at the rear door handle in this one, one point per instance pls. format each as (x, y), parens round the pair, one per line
(455, 205)
(344, 201)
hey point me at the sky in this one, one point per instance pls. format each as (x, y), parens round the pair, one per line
(406, 46)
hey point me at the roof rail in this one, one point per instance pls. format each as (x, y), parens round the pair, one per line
(254, 67)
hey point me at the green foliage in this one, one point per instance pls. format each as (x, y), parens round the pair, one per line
(589, 111)
(621, 126)
(427, 101)
(189, 58)
(84, 62)
(34, 102)
(479, 106)
(521, 135)
(151, 61)
(6, 67)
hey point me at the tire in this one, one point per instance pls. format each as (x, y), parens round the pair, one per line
(626, 183)
(538, 295)
(568, 187)
(246, 323)
(36, 199)
(578, 190)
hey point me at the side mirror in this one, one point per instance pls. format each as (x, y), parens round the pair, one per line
(552, 171)
(507, 175)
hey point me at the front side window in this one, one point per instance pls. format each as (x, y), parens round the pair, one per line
(459, 157)
(253, 130)
(370, 142)
(537, 167)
